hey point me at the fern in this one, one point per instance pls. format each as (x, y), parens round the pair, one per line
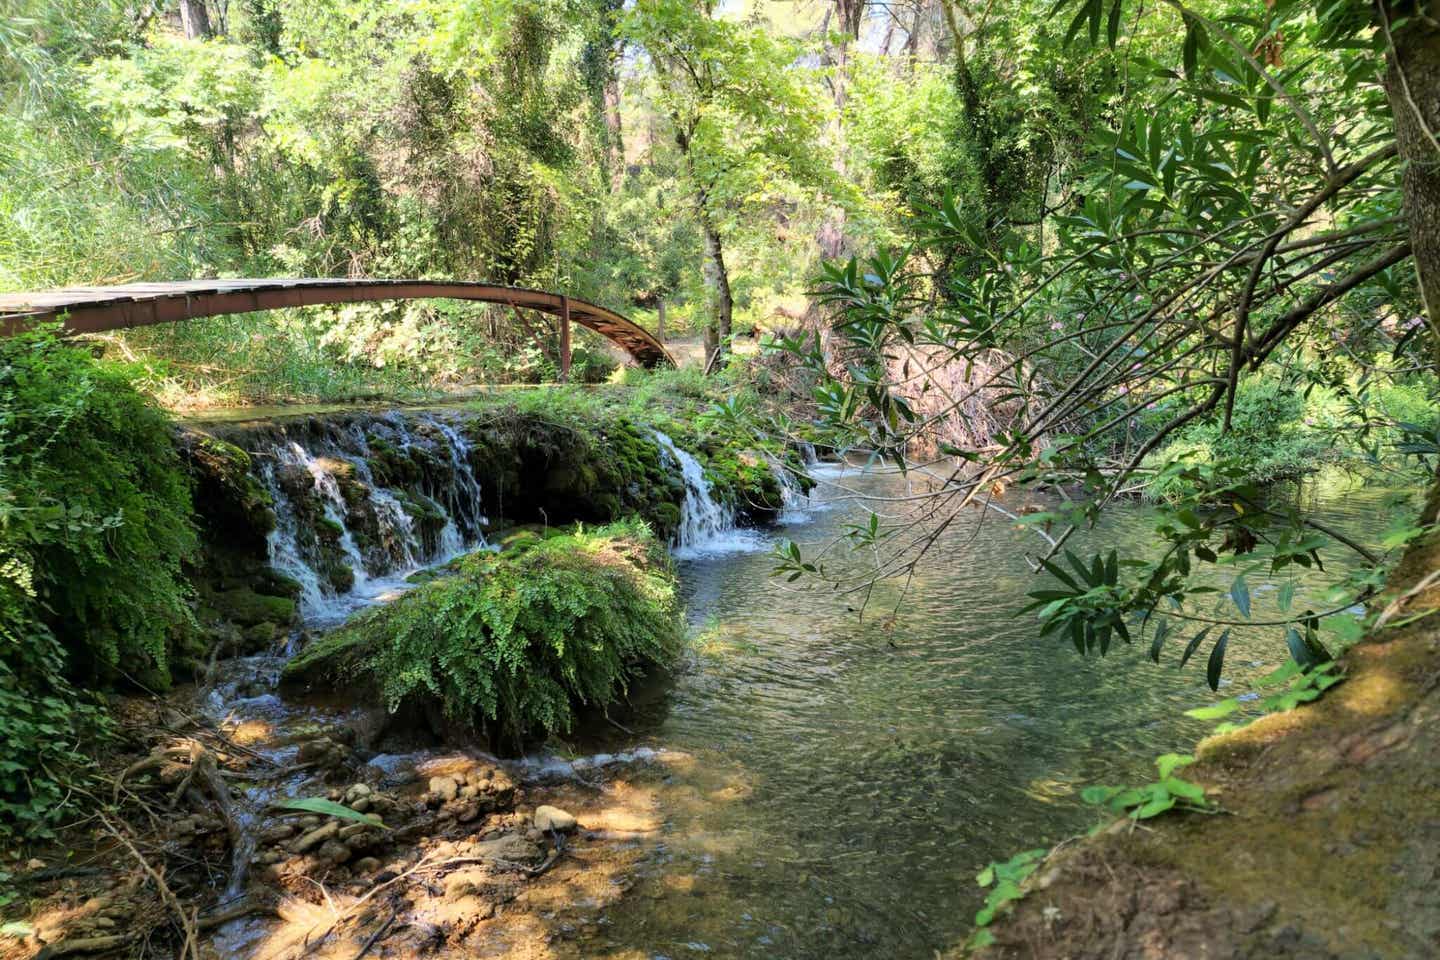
(513, 643)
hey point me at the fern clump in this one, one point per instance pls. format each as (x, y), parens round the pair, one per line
(511, 643)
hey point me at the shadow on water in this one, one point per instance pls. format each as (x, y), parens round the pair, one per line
(852, 775)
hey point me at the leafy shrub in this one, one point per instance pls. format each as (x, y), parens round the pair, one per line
(94, 523)
(96, 508)
(1268, 436)
(511, 643)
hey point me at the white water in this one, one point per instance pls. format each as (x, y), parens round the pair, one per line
(382, 562)
(707, 528)
(380, 574)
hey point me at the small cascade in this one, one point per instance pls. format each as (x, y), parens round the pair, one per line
(798, 507)
(360, 507)
(706, 527)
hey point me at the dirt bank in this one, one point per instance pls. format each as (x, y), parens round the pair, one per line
(1330, 844)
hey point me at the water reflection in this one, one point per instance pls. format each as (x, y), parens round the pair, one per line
(852, 775)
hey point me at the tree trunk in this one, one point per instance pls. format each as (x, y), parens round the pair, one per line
(1412, 83)
(831, 235)
(195, 19)
(717, 282)
(614, 132)
(660, 321)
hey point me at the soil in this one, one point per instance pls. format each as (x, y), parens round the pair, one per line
(1329, 844)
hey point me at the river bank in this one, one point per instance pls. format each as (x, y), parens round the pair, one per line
(1329, 845)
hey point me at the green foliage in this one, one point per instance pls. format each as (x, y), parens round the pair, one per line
(1298, 684)
(1268, 436)
(512, 643)
(1152, 799)
(94, 524)
(329, 808)
(96, 512)
(1003, 880)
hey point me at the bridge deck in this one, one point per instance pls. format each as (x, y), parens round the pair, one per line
(94, 309)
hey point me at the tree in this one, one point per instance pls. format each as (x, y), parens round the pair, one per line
(743, 118)
(1233, 230)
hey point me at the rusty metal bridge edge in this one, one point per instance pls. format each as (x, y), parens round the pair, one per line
(96, 309)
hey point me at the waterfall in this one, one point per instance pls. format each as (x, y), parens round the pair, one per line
(798, 507)
(348, 534)
(706, 527)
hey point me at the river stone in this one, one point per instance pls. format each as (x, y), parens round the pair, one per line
(357, 791)
(319, 835)
(553, 818)
(277, 834)
(333, 851)
(444, 787)
(511, 847)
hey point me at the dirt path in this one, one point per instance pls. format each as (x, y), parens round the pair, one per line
(1330, 846)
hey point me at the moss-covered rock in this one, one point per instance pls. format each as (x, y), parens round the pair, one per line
(512, 643)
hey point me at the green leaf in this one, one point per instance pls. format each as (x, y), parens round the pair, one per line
(1193, 645)
(1217, 661)
(329, 808)
(1218, 711)
(1286, 595)
(1168, 763)
(1240, 593)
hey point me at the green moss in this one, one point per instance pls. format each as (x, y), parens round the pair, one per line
(513, 642)
(247, 608)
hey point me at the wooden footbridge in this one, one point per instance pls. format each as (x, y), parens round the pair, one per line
(96, 309)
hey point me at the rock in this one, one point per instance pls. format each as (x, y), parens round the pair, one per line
(361, 805)
(277, 834)
(367, 865)
(314, 838)
(535, 836)
(511, 847)
(333, 851)
(35, 864)
(354, 830)
(467, 812)
(357, 791)
(322, 751)
(445, 788)
(553, 818)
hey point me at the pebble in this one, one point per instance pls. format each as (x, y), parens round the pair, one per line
(316, 837)
(333, 851)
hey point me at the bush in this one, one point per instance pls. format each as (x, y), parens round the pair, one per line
(1269, 436)
(512, 643)
(94, 523)
(98, 511)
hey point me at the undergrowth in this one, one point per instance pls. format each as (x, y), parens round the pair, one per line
(95, 519)
(513, 643)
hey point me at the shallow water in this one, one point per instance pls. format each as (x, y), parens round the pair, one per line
(854, 773)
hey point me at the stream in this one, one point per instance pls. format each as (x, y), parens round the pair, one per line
(849, 773)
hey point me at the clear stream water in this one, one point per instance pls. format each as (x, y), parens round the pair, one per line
(851, 775)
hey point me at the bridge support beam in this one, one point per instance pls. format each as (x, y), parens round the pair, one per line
(564, 339)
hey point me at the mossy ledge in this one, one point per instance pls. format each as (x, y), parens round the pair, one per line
(1331, 840)
(509, 645)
